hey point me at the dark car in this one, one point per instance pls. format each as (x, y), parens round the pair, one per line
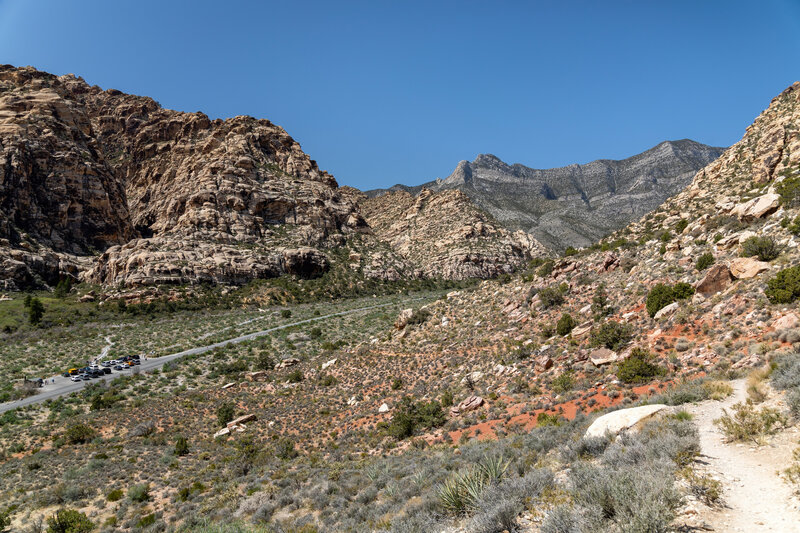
(136, 362)
(86, 377)
(119, 367)
(106, 370)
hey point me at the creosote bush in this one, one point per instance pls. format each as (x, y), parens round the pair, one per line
(765, 248)
(551, 297)
(611, 335)
(69, 521)
(704, 261)
(411, 416)
(661, 295)
(637, 368)
(565, 324)
(784, 288)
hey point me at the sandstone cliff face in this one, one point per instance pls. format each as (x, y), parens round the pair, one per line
(578, 204)
(445, 235)
(166, 196)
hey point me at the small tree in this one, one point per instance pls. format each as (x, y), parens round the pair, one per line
(35, 311)
(69, 521)
(611, 335)
(79, 434)
(551, 297)
(637, 368)
(63, 287)
(181, 446)
(704, 261)
(765, 248)
(225, 413)
(600, 304)
(265, 361)
(565, 325)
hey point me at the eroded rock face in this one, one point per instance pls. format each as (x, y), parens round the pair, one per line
(578, 204)
(623, 420)
(747, 267)
(167, 196)
(445, 235)
(716, 279)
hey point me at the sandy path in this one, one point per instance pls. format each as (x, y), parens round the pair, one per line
(756, 498)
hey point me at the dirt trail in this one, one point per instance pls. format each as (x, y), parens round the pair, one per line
(756, 497)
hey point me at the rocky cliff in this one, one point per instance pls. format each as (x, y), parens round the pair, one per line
(578, 204)
(163, 196)
(444, 234)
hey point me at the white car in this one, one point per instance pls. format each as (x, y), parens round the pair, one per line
(76, 377)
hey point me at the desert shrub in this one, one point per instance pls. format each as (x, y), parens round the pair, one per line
(397, 384)
(461, 493)
(69, 521)
(704, 261)
(565, 324)
(789, 190)
(681, 225)
(551, 297)
(547, 419)
(661, 295)
(749, 423)
(286, 313)
(545, 269)
(79, 434)
(765, 248)
(637, 368)
(563, 383)
(284, 449)
(499, 505)
(600, 304)
(611, 334)
(265, 361)
(139, 493)
(225, 413)
(35, 311)
(784, 287)
(115, 495)
(568, 518)
(181, 446)
(570, 251)
(295, 376)
(704, 487)
(411, 416)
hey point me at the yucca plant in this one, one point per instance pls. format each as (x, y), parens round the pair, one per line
(460, 494)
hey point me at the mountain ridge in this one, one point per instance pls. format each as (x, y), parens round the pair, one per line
(556, 205)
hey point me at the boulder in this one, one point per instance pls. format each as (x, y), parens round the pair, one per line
(716, 279)
(222, 432)
(403, 318)
(289, 361)
(667, 311)
(582, 330)
(467, 404)
(757, 207)
(472, 376)
(610, 261)
(747, 267)
(544, 362)
(788, 321)
(603, 356)
(384, 408)
(258, 375)
(623, 420)
(327, 364)
(241, 420)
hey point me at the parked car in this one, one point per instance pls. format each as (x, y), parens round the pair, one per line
(75, 378)
(86, 377)
(119, 367)
(136, 362)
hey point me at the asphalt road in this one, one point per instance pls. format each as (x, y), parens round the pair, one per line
(63, 386)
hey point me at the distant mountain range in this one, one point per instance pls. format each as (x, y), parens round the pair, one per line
(574, 205)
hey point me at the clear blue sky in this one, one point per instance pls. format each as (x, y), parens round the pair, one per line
(384, 92)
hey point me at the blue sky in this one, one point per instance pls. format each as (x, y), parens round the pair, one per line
(383, 92)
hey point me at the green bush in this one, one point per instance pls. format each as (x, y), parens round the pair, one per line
(286, 313)
(764, 247)
(565, 324)
(637, 368)
(69, 521)
(115, 495)
(551, 297)
(789, 190)
(419, 316)
(397, 384)
(545, 269)
(295, 376)
(225, 413)
(181, 446)
(563, 383)
(600, 303)
(139, 493)
(681, 225)
(749, 423)
(35, 311)
(611, 335)
(784, 288)
(661, 295)
(284, 449)
(704, 261)
(570, 251)
(79, 434)
(411, 416)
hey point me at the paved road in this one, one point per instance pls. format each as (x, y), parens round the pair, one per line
(64, 385)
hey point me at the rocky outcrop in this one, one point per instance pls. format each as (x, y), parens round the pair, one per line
(165, 196)
(716, 279)
(747, 267)
(623, 420)
(578, 204)
(445, 235)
